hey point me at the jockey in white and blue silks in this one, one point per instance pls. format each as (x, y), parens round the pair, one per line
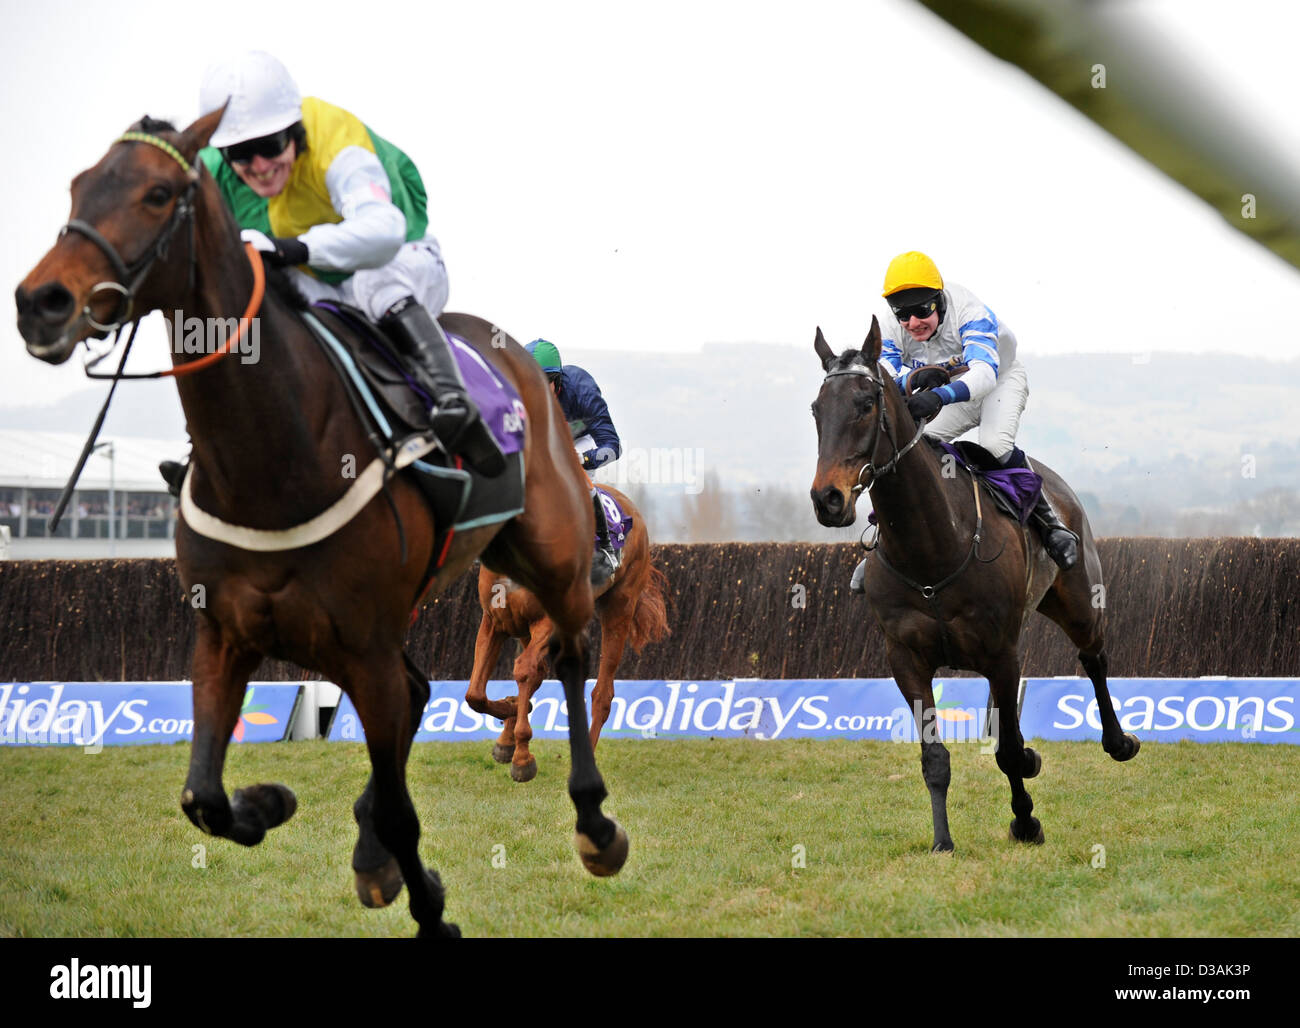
(594, 437)
(932, 322)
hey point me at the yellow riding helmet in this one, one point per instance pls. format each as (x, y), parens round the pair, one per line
(911, 270)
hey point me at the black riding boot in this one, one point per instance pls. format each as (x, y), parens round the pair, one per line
(173, 474)
(605, 561)
(1062, 545)
(455, 416)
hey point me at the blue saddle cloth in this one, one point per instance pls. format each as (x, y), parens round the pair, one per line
(620, 524)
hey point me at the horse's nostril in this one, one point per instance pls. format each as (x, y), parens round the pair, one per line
(834, 500)
(52, 303)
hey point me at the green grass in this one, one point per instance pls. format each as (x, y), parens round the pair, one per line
(1200, 840)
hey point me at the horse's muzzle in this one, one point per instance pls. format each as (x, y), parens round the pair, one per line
(832, 509)
(45, 316)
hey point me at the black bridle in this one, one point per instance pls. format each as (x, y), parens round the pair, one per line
(882, 425)
(131, 276)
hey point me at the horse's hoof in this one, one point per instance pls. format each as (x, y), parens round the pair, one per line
(606, 862)
(443, 930)
(1034, 762)
(275, 803)
(524, 772)
(1130, 749)
(943, 846)
(502, 754)
(380, 887)
(1033, 835)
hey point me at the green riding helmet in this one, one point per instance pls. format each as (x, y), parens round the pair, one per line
(546, 354)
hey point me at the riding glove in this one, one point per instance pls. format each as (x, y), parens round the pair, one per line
(277, 251)
(926, 378)
(924, 405)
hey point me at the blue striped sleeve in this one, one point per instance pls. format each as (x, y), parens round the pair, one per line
(979, 338)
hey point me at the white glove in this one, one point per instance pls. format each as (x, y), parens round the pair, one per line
(260, 240)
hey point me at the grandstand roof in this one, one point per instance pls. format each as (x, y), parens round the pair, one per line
(44, 460)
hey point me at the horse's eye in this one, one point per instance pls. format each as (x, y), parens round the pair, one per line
(157, 196)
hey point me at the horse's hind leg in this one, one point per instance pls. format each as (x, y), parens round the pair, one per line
(220, 677)
(615, 626)
(529, 670)
(1070, 606)
(914, 678)
(1121, 745)
(601, 842)
(382, 692)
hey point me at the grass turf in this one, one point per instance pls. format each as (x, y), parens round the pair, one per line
(728, 838)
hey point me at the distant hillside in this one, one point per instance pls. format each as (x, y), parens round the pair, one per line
(1162, 444)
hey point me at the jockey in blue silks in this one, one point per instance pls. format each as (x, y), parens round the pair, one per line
(594, 437)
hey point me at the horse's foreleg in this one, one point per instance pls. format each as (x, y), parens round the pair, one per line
(914, 679)
(384, 695)
(601, 842)
(377, 876)
(220, 676)
(1016, 760)
(487, 651)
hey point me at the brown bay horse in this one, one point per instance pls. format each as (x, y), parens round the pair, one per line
(149, 230)
(958, 586)
(631, 611)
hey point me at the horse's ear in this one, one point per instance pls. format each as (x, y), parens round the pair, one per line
(824, 351)
(196, 137)
(871, 348)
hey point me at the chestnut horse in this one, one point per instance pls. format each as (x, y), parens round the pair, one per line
(631, 611)
(150, 230)
(956, 587)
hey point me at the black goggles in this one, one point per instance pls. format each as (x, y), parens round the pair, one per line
(916, 310)
(269, 147)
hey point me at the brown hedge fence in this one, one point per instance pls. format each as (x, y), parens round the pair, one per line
(1175, 607)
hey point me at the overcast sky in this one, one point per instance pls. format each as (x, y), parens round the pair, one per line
(654, 177)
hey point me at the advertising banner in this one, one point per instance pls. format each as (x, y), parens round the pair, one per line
(95, 714)
(1166, 709)
(862, 708)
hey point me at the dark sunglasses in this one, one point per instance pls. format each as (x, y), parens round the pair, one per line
(916, 310)
(268, 147)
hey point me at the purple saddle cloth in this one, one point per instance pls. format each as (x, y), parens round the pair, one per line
(1018, 487)
(619, 523)
(497, 400)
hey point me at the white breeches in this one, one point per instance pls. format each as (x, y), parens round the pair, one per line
(417, 271)
(997, 415)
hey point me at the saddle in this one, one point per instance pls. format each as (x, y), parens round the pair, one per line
(395, 410)
(1014, 491)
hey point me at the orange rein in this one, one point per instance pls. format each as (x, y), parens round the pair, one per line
(254, 304)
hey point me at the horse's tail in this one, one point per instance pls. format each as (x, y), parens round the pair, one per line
(650, 619)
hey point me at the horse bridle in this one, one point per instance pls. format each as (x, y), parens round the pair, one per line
(134, 273)
(882, 425)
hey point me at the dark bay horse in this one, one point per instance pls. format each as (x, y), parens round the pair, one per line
(631, 611)
(150, 230)
(962, 585)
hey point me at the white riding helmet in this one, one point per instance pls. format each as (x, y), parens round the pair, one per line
(263, 97)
